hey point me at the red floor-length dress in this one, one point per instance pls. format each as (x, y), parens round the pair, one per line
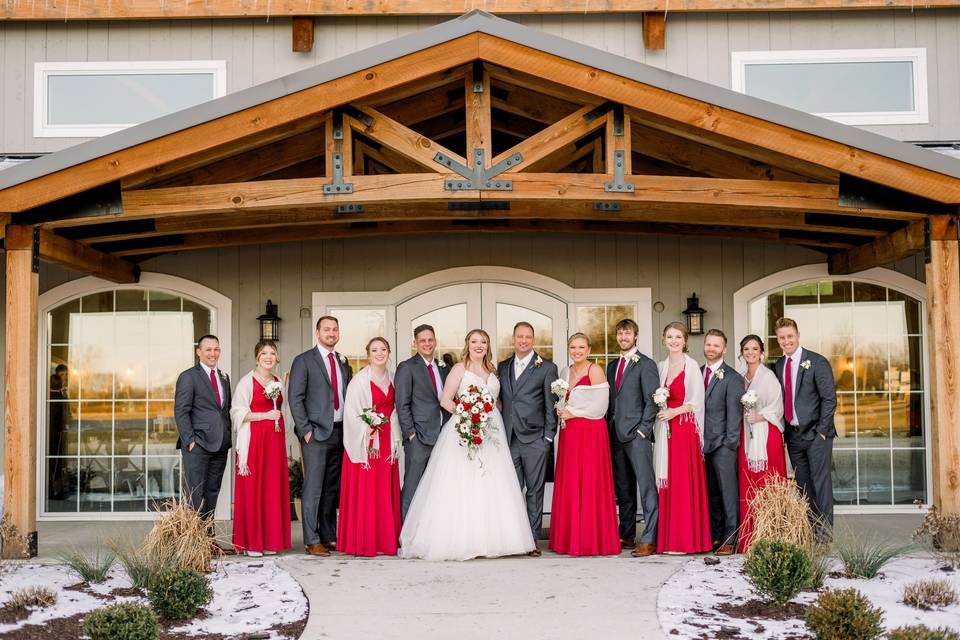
(752, 481)
(370, 496)
(261, 507)
(583, 519)
(684, 522)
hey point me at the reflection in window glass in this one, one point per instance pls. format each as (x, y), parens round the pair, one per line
(508, 315)
(871, 336)
(357, 328)
(450, 327)
(113, 361)
(599, 323)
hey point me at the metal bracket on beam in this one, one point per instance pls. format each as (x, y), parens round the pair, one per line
(618, 120)
(477, 76)
(35, 251)
(598, 112)
(606, 206)
(619, 183)
(477, 177)
(358, 115)
(337, 185)
(338, 125)
(927, 238)
(350, 208)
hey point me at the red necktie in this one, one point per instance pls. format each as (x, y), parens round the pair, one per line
(216, 389)
(620, 368)
(333, 382)
(706, 379)
(788, 388)
(433, 376)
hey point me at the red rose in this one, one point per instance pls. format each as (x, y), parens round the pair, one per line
(477, 440)
(475, 430)
(487, 407)
(476, 417)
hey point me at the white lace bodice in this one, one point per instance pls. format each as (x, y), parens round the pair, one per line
(491, 383)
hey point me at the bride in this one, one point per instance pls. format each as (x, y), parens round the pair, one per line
(468, 506)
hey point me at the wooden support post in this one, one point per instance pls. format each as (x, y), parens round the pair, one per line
(943, 341)
(303, 34)
(654, 29)
(20, 385)
(339, 139)
(479, 129)
(619, 139)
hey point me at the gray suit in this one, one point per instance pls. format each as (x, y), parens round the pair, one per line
(815, 402)
(420, 414)
(631, 417)
(722, 426)
(311, 405)
(202, 422)
(530, 421)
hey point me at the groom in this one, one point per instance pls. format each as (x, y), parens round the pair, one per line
(529, 418)
(722, 425)
(809, 402)
(418, 385)
(630, 419)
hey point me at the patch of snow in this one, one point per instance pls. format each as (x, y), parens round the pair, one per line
(686, 605)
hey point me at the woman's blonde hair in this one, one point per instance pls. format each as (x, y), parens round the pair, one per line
(579, 335)
(682, 328)
(487, 357)
(377, 339)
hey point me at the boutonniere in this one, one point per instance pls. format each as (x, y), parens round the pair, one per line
(718, 374)
(538, 362)
(805, 364)
(441, 364)
(634, 358)
(223, 374)
(343, 360)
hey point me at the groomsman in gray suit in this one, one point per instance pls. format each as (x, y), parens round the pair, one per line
(722, 425)
(201, 407)
(809, 402)
(529, 418)
(318, 381)
(631, 417)
(418, 385)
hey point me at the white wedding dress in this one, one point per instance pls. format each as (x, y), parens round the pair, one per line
(467, 508)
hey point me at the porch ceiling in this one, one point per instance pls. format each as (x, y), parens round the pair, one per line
(587, 142)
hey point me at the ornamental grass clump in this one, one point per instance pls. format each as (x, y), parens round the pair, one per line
(13, 544)
(939, 534)
(844, 614)
(922, 632)
(778, 570)
(177, 594)
(780, 512)
(821, 564)
(124, 621)
(92, 566)
(864, 557)
(139, 565)
(931, 593)
(36, 596)
(180, 537)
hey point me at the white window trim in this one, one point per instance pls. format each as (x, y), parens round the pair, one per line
(918, 56)
(221, 308)
(43, 70)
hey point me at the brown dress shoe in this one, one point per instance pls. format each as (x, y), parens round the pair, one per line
(331, 545)
(628, 543)
(726, 550)
(644, 550)
(317, 550)
(536, 553)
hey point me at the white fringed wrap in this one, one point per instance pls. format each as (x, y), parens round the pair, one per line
(356, 432)
(693, 396)
(587, 401)
(770, 406)
(239, 408)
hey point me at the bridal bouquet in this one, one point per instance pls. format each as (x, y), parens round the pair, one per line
(749, 402)
(376, 421)
(660, 397)
(272, 392)
(473, 410)
(559, 388)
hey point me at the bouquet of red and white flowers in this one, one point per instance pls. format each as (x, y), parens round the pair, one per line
(376, 421)
(473, 410)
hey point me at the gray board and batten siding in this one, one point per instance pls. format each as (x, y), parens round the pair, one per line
(698, 46)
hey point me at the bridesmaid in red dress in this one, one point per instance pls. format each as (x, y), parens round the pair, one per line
(583, 519)
(261, 504)
(370, 485)
(761, 446)
(684, 523)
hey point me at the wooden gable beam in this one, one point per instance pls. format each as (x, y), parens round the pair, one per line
(888, 248)
(476, 88)
(547, 141)
(402, 139)
(438, 101)
(72, 254)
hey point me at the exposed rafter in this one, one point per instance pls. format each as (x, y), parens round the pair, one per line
(69, 253)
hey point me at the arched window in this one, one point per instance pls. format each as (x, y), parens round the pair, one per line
(872, 335)
(111, 360)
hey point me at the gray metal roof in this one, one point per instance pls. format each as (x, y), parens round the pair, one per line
(473, 22)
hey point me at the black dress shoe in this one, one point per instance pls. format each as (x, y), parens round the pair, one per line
(331, 545)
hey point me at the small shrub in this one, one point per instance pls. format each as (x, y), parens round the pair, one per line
(864, 557)
(780, 512)
(844, 614)
(939, 533)
(177, 593)
(180, 537)
(13, 544)
(929, 594)
(922, 632)
(778, 570)
(124, 621)
(91, 567)
(41, 597)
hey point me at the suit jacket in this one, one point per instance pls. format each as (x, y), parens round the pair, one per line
(723, 412)
(418, 407)
(311, 393)
(631, 408)
(528, 404)
(815, 398)
(199, 418)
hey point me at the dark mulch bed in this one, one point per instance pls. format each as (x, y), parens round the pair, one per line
(9, 615)
(70, 627)
(752, 609)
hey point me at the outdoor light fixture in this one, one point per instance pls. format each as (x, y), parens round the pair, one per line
(270, 323)
(694, 314)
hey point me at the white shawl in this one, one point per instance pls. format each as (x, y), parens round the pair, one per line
(770, 406)
(239, 408)
(587, 401)
(357, 441)
(693, 395)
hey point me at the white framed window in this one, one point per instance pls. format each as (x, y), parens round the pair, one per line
(91, 99)
(852, 86)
